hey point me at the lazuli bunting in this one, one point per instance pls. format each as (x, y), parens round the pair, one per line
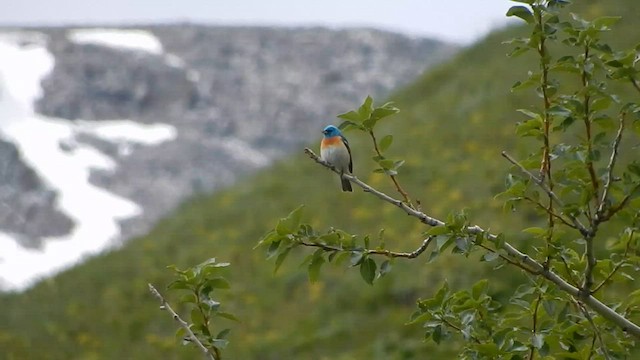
(335, 150)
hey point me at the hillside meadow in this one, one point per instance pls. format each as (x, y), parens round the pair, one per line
(454, 122)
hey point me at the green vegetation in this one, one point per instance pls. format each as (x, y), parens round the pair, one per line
(454, 122)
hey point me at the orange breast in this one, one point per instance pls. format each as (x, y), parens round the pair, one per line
(332, 141)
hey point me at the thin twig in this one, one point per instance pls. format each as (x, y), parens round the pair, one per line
(534, 326)
(614, 209)
(391, 254)
(549, 211)
(587, 124)
(610, 166)
(529, 263)
(618, 265)
(457, 328)
(545, 165)
(569, 272)
(589, 318)
(164, 305)
(399, 188)
(589, 266)
(577, 224)
(635, 84)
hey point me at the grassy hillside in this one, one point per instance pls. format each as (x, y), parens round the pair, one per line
(454, 122)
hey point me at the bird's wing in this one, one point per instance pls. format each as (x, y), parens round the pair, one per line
(346, 144)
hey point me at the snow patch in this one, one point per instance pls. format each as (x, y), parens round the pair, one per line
(128, 131)
(137, 40)
(44, 144)
(242, 151)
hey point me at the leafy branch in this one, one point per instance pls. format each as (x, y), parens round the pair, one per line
(164, 305)
(200, 282)
(527, 263)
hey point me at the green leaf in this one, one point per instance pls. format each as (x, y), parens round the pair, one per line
(273, 249)
(601, 104)
(227, 315)
(538, 231)
(351, 116)
(384, 111)
(480, 288)
(522, 12)
(220, 343)
(288, 224)
(315, 265)
(179, 284)
(537, 340)
(196, 318)
(268, 238)
(490, 256)
(605, 22)
(366, 108)
(217, 283)
(385, 143)
(385, 268)
(368, 270)
(223, 334)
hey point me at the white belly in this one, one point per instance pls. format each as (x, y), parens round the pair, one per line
(336, 156)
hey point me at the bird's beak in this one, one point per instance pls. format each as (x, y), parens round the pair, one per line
(324, 132)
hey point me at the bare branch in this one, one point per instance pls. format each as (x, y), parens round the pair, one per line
(164, 305)
(577, 224)
(529, 263)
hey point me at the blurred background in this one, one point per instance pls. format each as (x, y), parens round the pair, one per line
(135, 135)
(117, 112)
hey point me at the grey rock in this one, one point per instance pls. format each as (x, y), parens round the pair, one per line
(27, 207)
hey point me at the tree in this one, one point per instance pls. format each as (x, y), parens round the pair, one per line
(582, 180)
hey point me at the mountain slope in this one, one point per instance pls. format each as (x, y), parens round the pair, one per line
(453, 125)
(121, 125)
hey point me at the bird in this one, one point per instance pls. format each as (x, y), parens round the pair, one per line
(334, 149)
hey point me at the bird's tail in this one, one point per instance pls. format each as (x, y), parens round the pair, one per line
(346, 185)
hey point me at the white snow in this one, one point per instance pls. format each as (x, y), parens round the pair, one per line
(140, 40)
(94, 210)
(128, 131)
(242, 151)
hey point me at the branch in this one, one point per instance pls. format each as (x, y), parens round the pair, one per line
(550, 212)
(391, 254)
(596, 332)
(612, 162)
(634, 82)
(587, 124)
(614, 209)
(458, 329)
(425, 219)
(618, 265)
(577, 224)
(534, 327)
(534, 267)
(164, 305)
(393, 178)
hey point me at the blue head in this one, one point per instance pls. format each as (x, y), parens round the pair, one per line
(331, 131)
